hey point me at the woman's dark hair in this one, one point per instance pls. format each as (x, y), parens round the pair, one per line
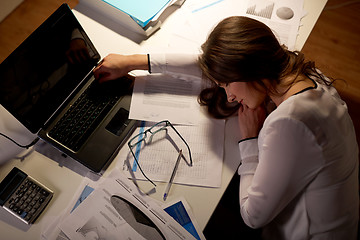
(241, 49)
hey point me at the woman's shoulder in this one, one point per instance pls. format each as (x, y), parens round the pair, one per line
(312, 108)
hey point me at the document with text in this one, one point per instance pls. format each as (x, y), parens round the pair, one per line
(157, 97)
(117, 208)
(157, 154)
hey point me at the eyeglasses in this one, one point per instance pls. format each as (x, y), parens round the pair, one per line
(148, 134)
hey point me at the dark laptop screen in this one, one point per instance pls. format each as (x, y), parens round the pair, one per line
(41, 73)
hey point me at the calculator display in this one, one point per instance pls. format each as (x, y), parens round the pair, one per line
(10, 183)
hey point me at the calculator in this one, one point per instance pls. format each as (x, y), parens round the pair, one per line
(23, 196)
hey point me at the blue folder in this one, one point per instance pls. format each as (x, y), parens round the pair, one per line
(142, 11)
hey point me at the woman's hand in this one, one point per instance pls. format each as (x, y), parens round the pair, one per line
(115, 66)
(250, 121)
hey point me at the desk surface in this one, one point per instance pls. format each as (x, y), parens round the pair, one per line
(65, 182)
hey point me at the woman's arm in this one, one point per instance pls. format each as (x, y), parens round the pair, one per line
(174, 63)
(272, 175)
(115, 66)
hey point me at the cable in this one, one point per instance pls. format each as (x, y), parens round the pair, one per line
(19, 145)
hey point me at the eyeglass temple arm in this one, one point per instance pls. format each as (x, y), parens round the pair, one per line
(142, 172)
(191, 162)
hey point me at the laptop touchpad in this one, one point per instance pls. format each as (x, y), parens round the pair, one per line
(119, 122)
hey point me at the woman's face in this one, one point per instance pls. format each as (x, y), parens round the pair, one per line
(244, 93)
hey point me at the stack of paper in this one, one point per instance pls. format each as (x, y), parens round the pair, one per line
(115, 207)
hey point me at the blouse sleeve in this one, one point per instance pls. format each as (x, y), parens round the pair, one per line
(182, 64)
(275, 168)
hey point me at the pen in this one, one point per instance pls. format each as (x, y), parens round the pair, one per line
(172, 175)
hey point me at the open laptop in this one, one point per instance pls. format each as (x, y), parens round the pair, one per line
(48, 85)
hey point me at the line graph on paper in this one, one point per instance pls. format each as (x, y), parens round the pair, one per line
(261, 8)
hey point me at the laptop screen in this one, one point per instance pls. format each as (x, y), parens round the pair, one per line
(46, 68)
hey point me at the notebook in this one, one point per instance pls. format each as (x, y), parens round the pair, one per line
(47, 84)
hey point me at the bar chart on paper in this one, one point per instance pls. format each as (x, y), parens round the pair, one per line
(260, 8)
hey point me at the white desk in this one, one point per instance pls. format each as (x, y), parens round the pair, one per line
(65, 182)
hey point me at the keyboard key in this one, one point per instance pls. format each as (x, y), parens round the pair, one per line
(82, 118)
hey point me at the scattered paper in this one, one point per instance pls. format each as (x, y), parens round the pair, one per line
(282, 16)
(181, 212)
(158, 156)
(99, 218)
(52, 230)
(158, 97)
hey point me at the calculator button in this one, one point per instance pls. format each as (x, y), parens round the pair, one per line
(28, 200)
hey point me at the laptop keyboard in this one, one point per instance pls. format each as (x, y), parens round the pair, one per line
(86, 113)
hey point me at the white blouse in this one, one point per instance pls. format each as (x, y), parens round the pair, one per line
(299, 178)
